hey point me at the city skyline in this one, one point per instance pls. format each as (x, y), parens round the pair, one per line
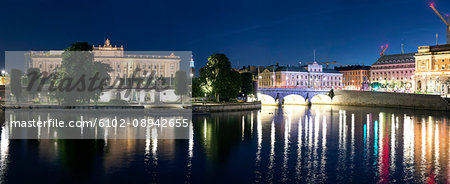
(249, 33)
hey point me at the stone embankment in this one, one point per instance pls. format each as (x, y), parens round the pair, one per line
(389, 99)
(220, 107)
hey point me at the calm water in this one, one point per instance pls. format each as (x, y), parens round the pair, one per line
(294, 144)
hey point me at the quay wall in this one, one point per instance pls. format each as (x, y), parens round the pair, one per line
(389, 99)
(219, 107)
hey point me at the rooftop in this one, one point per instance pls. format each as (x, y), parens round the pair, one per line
(296, 69)
(395, 59)
(352, 67)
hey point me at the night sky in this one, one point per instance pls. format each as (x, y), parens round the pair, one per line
(248, 32)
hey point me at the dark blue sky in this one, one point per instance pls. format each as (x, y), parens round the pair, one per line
(249, 32)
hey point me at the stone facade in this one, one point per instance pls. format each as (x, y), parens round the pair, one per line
(310, 76)
(393, 73)
(433, 69)
(123, 65)
(355, 77)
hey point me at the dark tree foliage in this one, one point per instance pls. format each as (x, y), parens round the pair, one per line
(196, 88)
(247, 83)
(218, 79)
(80, 66)
(33, 91)
(181, 84)
(16, 83)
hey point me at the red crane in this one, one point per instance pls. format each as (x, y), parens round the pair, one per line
(383, 49)
(443, 19)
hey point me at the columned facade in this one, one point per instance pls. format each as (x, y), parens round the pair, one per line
(122, 65)
(310, 76)
(433, 69)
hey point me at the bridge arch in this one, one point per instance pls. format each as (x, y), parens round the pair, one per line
(321, 99)
(294, 99)
(266, 99)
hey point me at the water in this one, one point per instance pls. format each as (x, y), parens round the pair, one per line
(294, 144)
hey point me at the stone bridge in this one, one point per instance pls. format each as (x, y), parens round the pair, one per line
(292, 96)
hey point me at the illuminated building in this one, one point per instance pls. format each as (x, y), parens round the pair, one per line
(433, 69)
(393, 72)
(310, 76)
(356, 77)
(123, 65)
(255, 70)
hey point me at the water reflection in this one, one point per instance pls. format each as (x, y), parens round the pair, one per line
(4, 148)
(294, 144)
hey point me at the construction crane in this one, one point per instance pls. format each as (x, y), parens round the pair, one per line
(383, 49)
(328, 62)
(445, 21)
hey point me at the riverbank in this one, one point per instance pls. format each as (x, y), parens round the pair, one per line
(72, 107)
(196, 107)
(221, 107)
(389, 99)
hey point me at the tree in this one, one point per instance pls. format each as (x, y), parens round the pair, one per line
(247, 83)
(181, 86)
(33, 90)
(102, 71)
(16, 83)
(218, 79)
(196, 88)
(74, 67)
(77, 68)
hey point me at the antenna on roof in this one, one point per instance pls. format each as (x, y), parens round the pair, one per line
(402, 48)
(437, 36)
(314, 55)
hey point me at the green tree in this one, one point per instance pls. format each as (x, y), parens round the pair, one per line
(79, 67)
(218, 79)
(74, 67)
(181, 86)
(102, 71)
(33, 90)
(247, 83)
(196, 88)
(16, 83)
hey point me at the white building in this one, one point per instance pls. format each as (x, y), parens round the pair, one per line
(310, 76)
